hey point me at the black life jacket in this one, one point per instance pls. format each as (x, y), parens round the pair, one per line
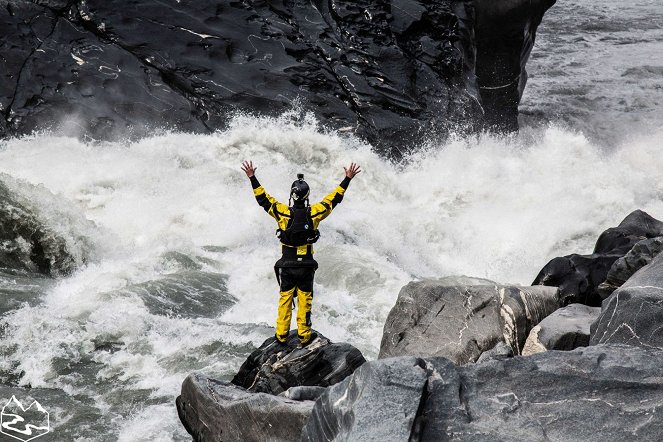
(300, 231)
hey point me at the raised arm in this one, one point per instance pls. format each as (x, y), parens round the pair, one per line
(274, 208)
(321, 210)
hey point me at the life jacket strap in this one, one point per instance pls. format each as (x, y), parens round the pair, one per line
(291, 251)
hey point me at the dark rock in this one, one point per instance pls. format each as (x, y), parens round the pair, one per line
(385, 69)
(565, 329)
(454, 318)
(639, 256)
(591, 394)
(379, 402)
(274, 367)
(303, 393)
(189, 294)
(500, 352)
(633, 314)
(501, 83)
(213, 410)
(578, 276)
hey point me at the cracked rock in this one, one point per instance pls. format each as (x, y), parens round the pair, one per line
(633, 314)
(460, 318)
(606, 392)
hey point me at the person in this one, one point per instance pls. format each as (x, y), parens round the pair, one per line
(297, 230)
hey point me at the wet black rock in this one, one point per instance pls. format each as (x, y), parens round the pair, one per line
(633, 314)
(639, 256)
(565, 329)
(213, 410)
(589, 394)
(388, 70)
(578, 276)
(274, 368)
(460, 318)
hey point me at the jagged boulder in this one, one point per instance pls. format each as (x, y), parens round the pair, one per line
(565, 329)
(633, 314)
(578, 276)
(388, 70)
(458, 319)
(213, 410)
(639, 256)
(591, 394)
(273, 368)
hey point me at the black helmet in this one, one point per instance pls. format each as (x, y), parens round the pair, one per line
(299, 190)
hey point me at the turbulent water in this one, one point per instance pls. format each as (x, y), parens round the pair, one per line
(176, 256)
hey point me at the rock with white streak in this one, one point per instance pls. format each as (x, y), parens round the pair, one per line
(461, 318)
(215, 411)
(565, 329)
(592, 394)
(633, 314)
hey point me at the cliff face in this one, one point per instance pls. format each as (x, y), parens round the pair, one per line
(387, 70)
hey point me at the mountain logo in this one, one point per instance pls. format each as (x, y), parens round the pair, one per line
(23, 423)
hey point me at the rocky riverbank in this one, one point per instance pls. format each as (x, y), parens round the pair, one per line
(470, 360)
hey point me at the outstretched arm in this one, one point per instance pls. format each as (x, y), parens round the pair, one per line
(322, 209)
(265, 200)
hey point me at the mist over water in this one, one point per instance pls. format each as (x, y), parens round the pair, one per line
(166, 232)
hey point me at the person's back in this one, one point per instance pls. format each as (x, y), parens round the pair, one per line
(297, 230)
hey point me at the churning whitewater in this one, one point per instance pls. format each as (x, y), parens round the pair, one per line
(166, 235)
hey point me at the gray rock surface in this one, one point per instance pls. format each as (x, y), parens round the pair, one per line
(598, 393)
(460, 320)
(639, 256)
(273, 368)
(565, 329)
(578, 276)
(633, 314)
(213, 410)
(379, 402)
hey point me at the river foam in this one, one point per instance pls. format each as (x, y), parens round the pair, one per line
(487, 206)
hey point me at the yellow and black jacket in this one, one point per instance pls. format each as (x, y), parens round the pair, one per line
(282, 214)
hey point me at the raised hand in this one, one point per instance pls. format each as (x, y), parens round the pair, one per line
(249, 170)
(352, 170)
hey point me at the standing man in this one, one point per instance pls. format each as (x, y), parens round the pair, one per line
(297, 230)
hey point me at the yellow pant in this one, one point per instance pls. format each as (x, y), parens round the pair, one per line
(304, 301)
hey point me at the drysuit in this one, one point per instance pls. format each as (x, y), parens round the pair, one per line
(296, 268)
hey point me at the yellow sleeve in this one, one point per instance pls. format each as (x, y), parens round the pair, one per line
(279, 211)
(323, 209)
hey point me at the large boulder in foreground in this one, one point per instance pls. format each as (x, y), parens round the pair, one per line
(591, 394)
(633, 314)
(578, 276)
(213, 410)
(565, 329)
(460, 318)
(273, 368)
(639, 256)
